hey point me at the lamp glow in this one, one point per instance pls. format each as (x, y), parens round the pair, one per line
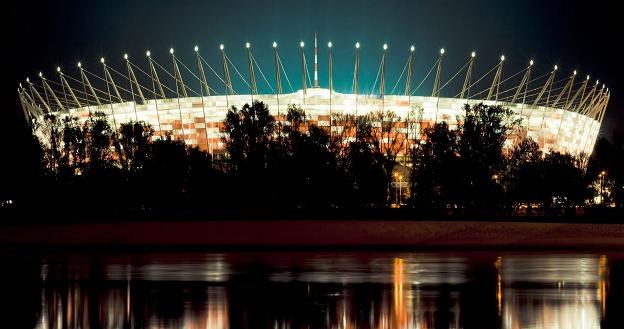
(301, 44)
(27, 80)
(502, 58)
(412, 48)
(556, 67)
(221, 46)
(41, 76)
(196, 49)
(58, 69)
(385, 46)
(531, 62)
(148, 53)
(102, 60)
(442, 51)
(125, 56)
(473, 54)
(274, 44)
(247, 45)
(329, 44)
(357, 45)
(587, 77)
(79, 65)
(171, 51)
(574, 72)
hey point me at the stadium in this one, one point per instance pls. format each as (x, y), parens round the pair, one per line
(561, 111)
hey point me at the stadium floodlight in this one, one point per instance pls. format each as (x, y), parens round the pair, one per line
(102, 60)
(171, 51)
(357, 45)
(148, 53)
(79, 65)
(221, 46)
(247, 45)
(274, 44)
(473, 54)
(385, 46)
(329, 44)
(126, 56)
(502, 58)
(196, 48)
(301, 44)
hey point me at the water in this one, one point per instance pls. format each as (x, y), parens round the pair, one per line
(281, 290)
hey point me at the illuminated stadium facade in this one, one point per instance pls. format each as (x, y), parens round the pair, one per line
(562, 114)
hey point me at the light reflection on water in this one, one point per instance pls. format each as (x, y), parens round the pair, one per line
(553, 292)
(332, 290)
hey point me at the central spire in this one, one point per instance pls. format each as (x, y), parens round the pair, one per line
(316, 85)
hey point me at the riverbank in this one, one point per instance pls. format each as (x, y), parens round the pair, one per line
(411, 234)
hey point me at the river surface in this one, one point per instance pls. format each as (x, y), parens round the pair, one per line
(279, 290)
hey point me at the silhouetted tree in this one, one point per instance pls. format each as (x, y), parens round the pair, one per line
(436, 168)
(99, 134)
(309, 165)
(165, 173)
(606, 169)
(564, 182)
(483, 131)
(523, 178)
(132, 145)
(74, 147)
(251, 145)
(366, 165)
(248, 136)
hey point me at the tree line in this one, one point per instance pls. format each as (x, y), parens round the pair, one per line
(367, 163)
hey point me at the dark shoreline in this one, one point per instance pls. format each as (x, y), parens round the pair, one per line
(314, 234)
(11, 217)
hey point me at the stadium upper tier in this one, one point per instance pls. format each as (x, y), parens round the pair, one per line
(562, 114)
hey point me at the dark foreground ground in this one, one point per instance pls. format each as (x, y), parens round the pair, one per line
(316, 233)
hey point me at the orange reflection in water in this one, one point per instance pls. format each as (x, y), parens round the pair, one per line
(400, 311)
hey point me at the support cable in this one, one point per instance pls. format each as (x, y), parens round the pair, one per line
(262, 73)
(479, 80)
(454, 76)
(400, 76)
(279, 59)
(425, 78)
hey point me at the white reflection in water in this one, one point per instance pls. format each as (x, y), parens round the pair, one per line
(406, 291)
(559, 291)
(418, 269)
(212, 268)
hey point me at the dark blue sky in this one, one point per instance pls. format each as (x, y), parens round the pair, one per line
(574, 35)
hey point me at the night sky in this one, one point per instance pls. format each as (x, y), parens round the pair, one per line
(572, 34)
